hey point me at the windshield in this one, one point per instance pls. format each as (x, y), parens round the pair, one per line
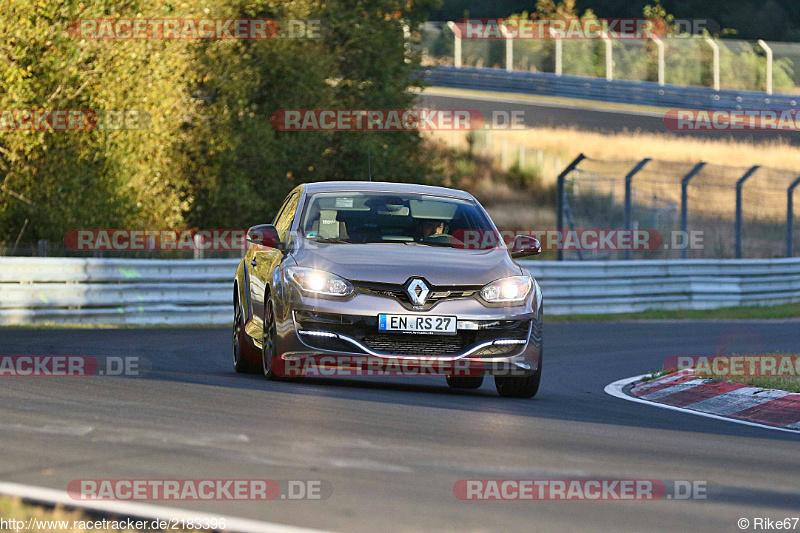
(366, 217)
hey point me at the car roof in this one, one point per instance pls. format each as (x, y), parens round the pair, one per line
(383, 186)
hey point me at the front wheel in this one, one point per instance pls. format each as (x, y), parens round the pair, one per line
(268, 343)
(518, 387)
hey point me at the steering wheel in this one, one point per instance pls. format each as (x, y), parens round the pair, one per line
(440, 238)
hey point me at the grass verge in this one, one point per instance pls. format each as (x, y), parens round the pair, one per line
(788, 383)
(56, 519)
(726, 313)
(784, 383)
(544, 99)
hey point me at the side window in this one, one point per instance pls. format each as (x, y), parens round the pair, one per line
(286, 215)
(282, 208)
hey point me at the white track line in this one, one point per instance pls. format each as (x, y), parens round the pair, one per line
(615, 389)
(144, 510)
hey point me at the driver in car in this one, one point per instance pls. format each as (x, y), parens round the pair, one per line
(431, 227)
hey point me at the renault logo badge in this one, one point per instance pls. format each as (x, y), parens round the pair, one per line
(417, 291)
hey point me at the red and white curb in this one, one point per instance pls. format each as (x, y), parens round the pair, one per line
(722, 400)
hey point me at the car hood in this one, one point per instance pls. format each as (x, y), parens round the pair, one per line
(395, 263)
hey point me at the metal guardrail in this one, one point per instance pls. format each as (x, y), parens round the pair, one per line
(115, 291)
(185, 292)
(632, 286)
(622, 91)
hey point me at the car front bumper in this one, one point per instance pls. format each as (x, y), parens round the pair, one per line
(343, 335)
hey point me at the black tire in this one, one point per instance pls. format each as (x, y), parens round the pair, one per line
(518, 387)
(471, 382)
(268, 342)
(242, 352)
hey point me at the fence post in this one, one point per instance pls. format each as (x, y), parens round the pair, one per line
(768, 50)
(739, 185)
(457, 44)
(628, 201)
(198, 246)
(609, 57)
(715, 65)
(661, 60)
(790, 218)
(684, 201)
(559, 52)
(509, 47)
(560, 198)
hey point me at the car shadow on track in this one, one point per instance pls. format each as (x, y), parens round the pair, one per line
(431, 391)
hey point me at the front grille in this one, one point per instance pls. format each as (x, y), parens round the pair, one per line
(411, 344)
(364, 330)
(398, 292)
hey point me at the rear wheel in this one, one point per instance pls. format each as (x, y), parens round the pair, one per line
(472, 382)
(519, 387)
(268, 343)
(241, 349)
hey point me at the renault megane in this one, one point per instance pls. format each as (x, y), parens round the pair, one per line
(379, 272)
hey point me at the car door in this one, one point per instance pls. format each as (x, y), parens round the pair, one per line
(261, 261)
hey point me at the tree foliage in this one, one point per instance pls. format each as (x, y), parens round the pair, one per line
(775, 20)
(207, 156)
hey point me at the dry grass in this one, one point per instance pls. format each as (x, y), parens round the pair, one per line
(521, 215)
(566, 143)
(788, 384)
(15, 509)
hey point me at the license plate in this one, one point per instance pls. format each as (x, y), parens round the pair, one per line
(429, 324)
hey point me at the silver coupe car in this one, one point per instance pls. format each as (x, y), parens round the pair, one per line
(370, 276)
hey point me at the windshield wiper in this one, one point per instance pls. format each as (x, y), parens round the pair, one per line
(334, 241)
(437, 244)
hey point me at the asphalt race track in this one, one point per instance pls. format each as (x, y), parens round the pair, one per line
(392, 449)
(584, 117)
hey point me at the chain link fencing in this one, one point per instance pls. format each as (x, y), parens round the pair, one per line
(701, 210)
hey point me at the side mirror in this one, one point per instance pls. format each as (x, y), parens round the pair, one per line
(264, 235)
(524, 246)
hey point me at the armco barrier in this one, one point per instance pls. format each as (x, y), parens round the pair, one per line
(115, 291)
(630, 286)
(624, 91)
(141, 291)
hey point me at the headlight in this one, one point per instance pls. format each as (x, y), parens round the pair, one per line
(319, 281)
(507, 290)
